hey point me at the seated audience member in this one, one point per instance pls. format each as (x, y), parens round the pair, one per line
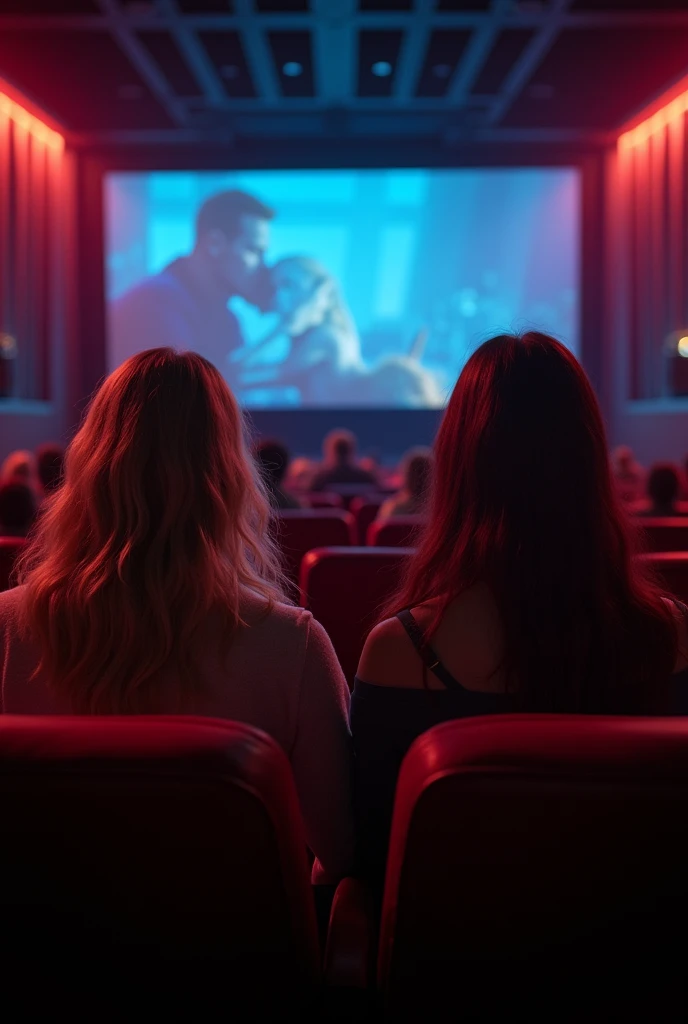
(300, 472)
(151, 585)
(663, 487)
(371, 464)
(629, 476)
(411, 499)
(273, 459)
(50, 459)
(339, 465)
(522, 595)
(18, 506)
(20, 465)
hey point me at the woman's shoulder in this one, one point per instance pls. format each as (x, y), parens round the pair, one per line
(385, 657)
(281, 634)
(467, 640)
(273, 616)
(10, 606)
(277, 629)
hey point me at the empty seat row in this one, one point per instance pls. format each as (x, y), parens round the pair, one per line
(156, 868)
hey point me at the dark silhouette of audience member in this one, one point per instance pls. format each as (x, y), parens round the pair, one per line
(663, 487)
(522, 595)
(152, 585)
(411, 499)
(273, 459)
(18, 507)
(185, 305)
(339, 466)
(50, 460)
(629, 475)
(20, 465)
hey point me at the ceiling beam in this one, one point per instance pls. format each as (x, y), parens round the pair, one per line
(334, 49)
(141, 60)
(476, 52)
(134, 18)
(413, 50)
(208, 137)
(256, 48)
(529, 61)
(192, 51)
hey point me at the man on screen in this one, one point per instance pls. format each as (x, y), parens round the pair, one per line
(185, 305)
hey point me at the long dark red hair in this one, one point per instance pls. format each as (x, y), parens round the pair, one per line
(523, 501)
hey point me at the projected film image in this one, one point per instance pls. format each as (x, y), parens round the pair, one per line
(345, 289)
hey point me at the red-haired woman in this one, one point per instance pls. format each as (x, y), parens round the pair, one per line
(152, 586)
(522, 593)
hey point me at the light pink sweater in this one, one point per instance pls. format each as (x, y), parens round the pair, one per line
(281, 675)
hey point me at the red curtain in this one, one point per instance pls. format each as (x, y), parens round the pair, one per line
(648, 185)
(32, 165)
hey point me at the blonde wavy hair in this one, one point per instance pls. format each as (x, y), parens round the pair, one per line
(162, 520)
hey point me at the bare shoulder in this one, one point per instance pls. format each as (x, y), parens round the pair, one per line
(11, 603)
(387, 658)
(681, 622)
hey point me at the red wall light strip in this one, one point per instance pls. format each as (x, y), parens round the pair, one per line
(36, 128)
(665, 116)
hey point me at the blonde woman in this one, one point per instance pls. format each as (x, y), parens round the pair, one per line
(152, 586)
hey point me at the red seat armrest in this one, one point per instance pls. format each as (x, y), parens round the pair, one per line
(351, 950)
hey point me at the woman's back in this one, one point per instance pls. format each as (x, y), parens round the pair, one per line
(522, 593)
(152, 585)
(280, 674)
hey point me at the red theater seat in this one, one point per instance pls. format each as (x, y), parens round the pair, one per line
(364, 511)
(349, 492)
(10, 549)
(537, 871)
(153, 869)
(324, 499)
(643, 506)
(344, 588)
(672, 569)
(666, 534)
(302, 529)
(399, 531)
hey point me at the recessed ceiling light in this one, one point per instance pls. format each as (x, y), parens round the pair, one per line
(441, 70)
(382, 69)
(292, 69)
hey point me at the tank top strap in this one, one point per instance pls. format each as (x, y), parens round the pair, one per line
(682, 608)
(427, 654)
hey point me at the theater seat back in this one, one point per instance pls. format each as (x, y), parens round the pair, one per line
(665, 534)
(153, 868)
(10, 550)
(398, 531)
(364, 511)
(671, 568)
(299, 530)
(345, 589)
(537, 871)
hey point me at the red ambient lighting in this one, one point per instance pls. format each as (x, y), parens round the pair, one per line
(36, 128)
(664, 117)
